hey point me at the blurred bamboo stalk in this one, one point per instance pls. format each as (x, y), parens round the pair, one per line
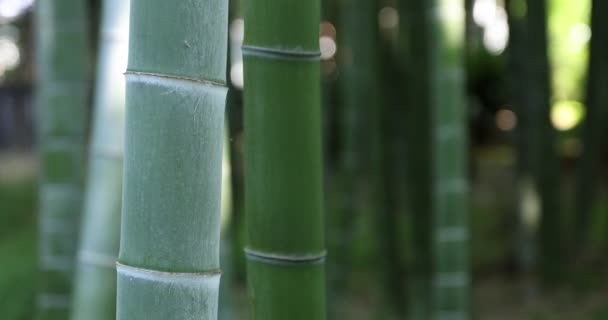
(415, 45)
(95, 286)
(526, 137)
(451, 279)
(61, 101)
(593, 132)
(547, 166)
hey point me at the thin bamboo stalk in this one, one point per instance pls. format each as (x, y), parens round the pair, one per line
(415, 31)
(547, 165)
(95, 284)
(283, 185)
(593, 133)
(61, 98)
(353, 86)
(175, 98)
(451, 279)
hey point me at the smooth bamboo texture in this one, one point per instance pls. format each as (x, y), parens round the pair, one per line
(175, 98)
(95, 284)
(61, 99)
(451, 278)
(415, 42)
(283, 185)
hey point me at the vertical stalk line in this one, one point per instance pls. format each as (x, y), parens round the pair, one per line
(593, 132)
(415, 36)
(175, 98)
(526, 133)
(353, 86)
(368, 92)
(61, 99)
(283, 185)
(95, 282)
(451, 278)
(547, 165)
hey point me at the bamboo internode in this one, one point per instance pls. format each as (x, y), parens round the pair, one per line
(175, 98)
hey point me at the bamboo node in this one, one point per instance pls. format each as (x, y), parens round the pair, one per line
(280, 54)
(283, 259)
(166, 276)
(179, 78)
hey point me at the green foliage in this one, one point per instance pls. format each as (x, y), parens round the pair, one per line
(17, 246)
(568, 23)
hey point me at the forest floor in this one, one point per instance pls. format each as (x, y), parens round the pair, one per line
(17, 237)
(498, 293)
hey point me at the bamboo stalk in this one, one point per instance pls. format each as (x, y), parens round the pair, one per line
(450, 233)
(95, 284)
(169, 251)
(593, 134)
(285, 243)
(547, 165)
(415, 31)
(61, 98)
(353, 86)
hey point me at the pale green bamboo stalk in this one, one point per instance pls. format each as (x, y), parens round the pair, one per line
(451, 278)
(95, 284)
(226, 308)
(61, 99)
(169, 248)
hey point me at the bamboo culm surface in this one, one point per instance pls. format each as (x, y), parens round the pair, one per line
(95, 282)
(451, 278)
(61, 102)
(175, 98)
(283, 185)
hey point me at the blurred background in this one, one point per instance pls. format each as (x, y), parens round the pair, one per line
(517, 167)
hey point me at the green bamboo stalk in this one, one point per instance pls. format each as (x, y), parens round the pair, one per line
(597, 113)
(368, 56)
(95, 284)
(547, 166)
(415, 44)
(62, 96)
(283, 185)
(526, 134)
(449, 139)
(353, 84)
(175, 97)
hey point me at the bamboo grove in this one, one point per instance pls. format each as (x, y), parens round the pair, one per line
(288, 159)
